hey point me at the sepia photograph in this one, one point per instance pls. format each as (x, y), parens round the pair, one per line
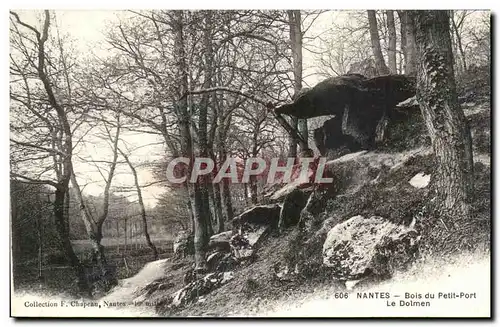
(250, 163)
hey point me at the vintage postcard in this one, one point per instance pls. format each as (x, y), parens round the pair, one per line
(250, 163)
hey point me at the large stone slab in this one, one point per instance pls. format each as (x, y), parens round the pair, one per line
(262, 215)
(220, 242)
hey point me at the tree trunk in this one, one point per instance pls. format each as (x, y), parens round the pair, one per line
(292, 142)
(375, 39)
(391, 51)
(125, 235)
(205, 180)
(15, 229)
(445, 120)
(403, 23)
(410, 47)
(226, 191)
(93, 228)
(245, 193)
(65, 242)
(459, 43)
(253, 190)
(195, 195)
(39, 228)
(217, 199)
(295, 26)
(67, 142)
(117, 223)
(218, 208)
(67, 202)
(142, 206)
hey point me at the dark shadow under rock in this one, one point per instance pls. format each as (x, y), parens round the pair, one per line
(291, 208)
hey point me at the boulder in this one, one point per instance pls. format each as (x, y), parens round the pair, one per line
(214, 259)
(315, 205)
(262, 215)
(249, 228)
(191, 292)
(244, 244)
(362, 107)
(292, 205)
(279, 193)
(354, 170)
(152, 290)
(183, 244)
(203, 286)
(220, 242)
(360, 247)
(332, 95)
(221, 262)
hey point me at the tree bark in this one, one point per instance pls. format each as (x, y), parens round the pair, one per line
(216, 190)
(409, 48)
(205, 180)
(218, 207)
(445, 120)
(391, 51)
(200, 228)
(253, 190)
(403, 23)
(292, 142)
(226, 198)
(225, 191)
(295, 26)
(245, 193)
(67, 202)
(375, 40)
(459, 41)
(65, 242)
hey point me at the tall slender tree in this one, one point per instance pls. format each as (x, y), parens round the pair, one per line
(195, 194)
(296, 35)
(408, 42)
(375, 39)
(391, 49)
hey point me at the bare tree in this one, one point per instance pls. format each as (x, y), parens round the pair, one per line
(407, 42)
(346, 47)
(93, 224)
(375, 39)
(141, 205)
(200, 227)
(457, 23)
(295, 22)
(58, 128)
(391, 51)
